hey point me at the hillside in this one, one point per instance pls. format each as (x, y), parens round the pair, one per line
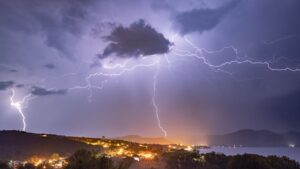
(19, 145)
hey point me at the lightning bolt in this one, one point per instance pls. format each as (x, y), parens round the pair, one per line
(116, 70)
(125, 68)
(20, 105)
(218, 67)
(156, 110)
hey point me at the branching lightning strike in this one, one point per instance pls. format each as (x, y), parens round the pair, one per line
(20, 105)
(117, 70)
(218, 67)
(124, 69)
(156, 110)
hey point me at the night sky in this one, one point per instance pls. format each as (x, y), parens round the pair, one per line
(103, 67)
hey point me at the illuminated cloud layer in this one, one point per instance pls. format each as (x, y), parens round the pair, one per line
(143, 67)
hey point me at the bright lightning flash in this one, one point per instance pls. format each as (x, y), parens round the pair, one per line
(218, 67)
(116, 70)
(19, 106)
(156, 110)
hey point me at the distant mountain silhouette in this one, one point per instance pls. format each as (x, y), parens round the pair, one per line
(148, 140)
(19, 145)
(255, 138)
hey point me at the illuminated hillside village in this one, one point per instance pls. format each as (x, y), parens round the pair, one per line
(24, 150)
(110, 148)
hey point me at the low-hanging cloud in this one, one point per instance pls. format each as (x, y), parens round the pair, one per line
(6, 84)
(139, 39)
(39, 91)
(50, 66)
(200, 20)
(13, 70)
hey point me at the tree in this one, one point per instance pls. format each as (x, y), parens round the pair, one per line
(215, 161)
(248, 161)
(83, 159)
(182, 159)
(126, 163)
(282, 163)
(26, 166)
(104, 162)
(4, 165)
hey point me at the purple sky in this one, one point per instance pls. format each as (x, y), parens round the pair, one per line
(216, 66)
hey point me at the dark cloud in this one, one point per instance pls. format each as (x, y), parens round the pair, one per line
(200, 20)
(13, 70)
(39, 91)
(139, 39)
(20, 85)
(270, 27)
(32, 32)
(49, 66)
(56, 24)
(72, 17)
(6, 84)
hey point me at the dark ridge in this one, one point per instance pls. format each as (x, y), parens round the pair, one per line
(19, 145)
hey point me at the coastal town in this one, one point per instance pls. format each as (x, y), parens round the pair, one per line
(110, 148)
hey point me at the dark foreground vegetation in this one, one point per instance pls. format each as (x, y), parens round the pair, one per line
(180, 159)
(83, 159)
(193, 160)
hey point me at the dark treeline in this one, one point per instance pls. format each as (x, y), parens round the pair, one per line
(81, 159)
(180, 159)
(193, 160)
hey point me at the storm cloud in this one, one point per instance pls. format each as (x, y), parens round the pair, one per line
(139, 39)
(39, 91)
(64, 20)
(200, 20)
(6, 84)
(13, 70)
(49, 66)
(71, 34)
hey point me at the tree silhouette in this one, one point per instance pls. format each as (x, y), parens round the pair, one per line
(4, 165)
(83, 159)
(26, 166)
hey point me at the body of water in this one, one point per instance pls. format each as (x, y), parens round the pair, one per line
(292, 153)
